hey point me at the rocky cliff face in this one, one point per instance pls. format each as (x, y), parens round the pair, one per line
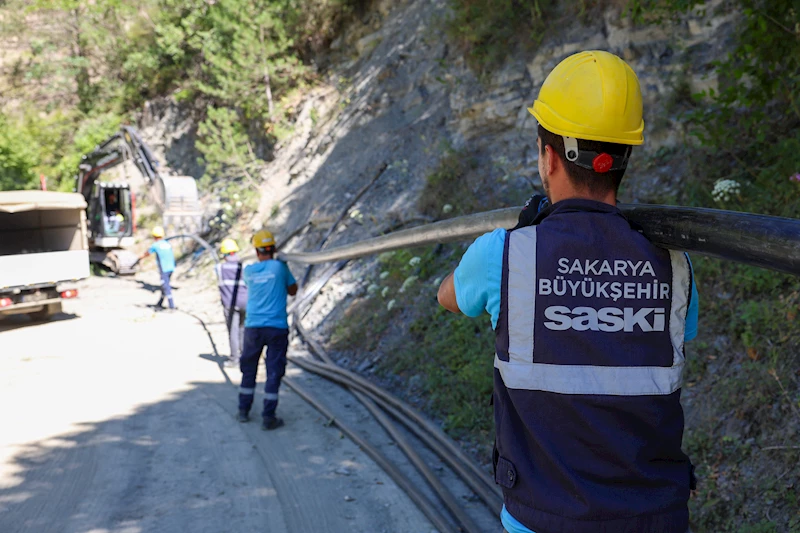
(398, 95)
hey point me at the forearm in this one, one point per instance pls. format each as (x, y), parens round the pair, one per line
(447, 294)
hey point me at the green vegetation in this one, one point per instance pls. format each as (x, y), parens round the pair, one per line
(442, 357)
(17, 159)
(85, 66)
(446, 185)
(484, 28)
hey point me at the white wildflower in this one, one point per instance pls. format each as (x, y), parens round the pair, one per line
(236, 196)
(446, 208)
(414, 261)
(384, 292)
(384, 274)
(408, 282)
(372, 289)
(724, 190)
(238, 204)
(437, 281)
(224, 216)
(390, 305)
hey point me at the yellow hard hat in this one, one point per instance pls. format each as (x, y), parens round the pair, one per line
(594, 96)
(228, 246)
(158, 232)
(263, 238)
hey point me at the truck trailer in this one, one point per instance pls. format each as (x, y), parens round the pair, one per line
(44, 251)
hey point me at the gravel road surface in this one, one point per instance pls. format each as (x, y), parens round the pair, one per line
(118, 418)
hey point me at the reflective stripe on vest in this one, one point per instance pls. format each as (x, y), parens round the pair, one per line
(523, 373)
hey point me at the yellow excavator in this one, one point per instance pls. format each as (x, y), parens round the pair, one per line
(111, 211)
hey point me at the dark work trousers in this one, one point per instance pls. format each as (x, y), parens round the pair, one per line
(166, 290)
(277, 342)
(235, 332)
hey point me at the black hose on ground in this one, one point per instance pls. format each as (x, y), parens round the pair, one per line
(433, 514)
(467, 524)
(477, 480)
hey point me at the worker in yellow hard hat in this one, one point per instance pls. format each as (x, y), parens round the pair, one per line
(590, 321)
(233, 293)
(269, 282)
(165, 258)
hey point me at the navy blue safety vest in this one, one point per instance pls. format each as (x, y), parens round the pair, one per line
(226, 275)
(587, 376)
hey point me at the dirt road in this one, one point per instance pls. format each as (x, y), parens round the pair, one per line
(116, 418)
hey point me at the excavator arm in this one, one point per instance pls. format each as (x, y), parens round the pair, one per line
(110, 205)
(175, 197)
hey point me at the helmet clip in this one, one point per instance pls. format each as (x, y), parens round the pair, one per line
(571, 149)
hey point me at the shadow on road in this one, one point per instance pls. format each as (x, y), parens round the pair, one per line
(166, 467)
(150, 287)
(12, 322)
(185, 464)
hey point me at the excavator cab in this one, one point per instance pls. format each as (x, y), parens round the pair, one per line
(112, 223)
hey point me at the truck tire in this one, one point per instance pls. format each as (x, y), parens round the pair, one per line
(46, 313)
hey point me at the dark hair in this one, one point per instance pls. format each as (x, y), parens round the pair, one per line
(266, 250)
(584, 178)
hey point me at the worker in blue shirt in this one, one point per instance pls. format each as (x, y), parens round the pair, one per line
(165, 258)
(269, 282)
(590, 320)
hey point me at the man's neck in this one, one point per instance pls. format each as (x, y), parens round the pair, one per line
(563, 190)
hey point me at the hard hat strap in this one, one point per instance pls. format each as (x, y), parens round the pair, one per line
(598, 162)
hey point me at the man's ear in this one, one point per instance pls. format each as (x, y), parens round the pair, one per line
(551, 160)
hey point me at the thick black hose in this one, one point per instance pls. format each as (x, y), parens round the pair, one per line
(452, 449)
(433, 514)
(758, 240)
(462, 465)
(467, 524)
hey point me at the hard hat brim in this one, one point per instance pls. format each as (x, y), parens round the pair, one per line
(547, 117)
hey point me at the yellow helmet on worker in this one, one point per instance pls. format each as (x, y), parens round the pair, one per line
(228, 246)
(594, 96)
(158, 232)
(263, 239)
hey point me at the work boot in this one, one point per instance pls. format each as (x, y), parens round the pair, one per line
(271, 423)
(243, 416)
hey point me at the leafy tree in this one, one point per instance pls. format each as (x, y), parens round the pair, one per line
(17, 159)
(73, 46)
(226, 148)
(248, 56)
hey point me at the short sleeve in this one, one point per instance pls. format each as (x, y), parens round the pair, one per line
(152, 249)
(693, 313)
(477, 278)
(289, 277)
(246, 274)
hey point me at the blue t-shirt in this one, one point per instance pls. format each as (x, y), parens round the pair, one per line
(479, 275)
(477, 280)
(267, 283)
(511, 524)
(164, 256)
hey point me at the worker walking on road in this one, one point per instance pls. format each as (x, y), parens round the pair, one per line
(233, 293)
(266, 324)
(165, 258)
(590, 320)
